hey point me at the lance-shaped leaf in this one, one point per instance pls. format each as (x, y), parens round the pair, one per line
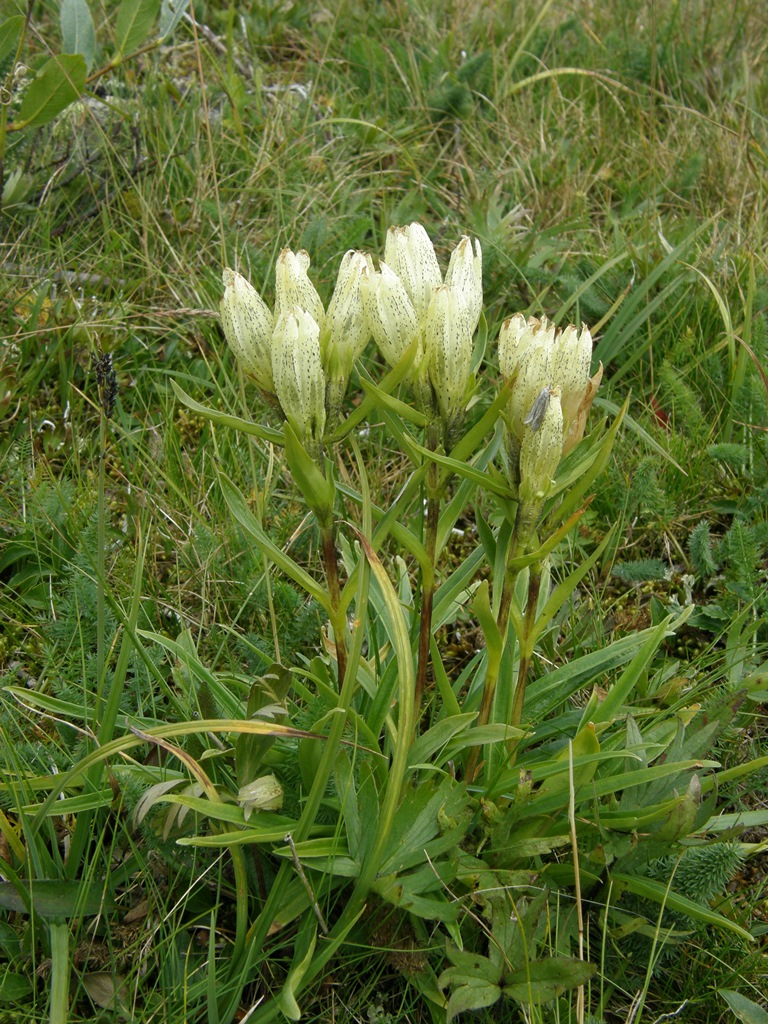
(223, 419)
(666, 897)
(135, 19)
(316, 489)
(10, 34)
(78, 34)
(239, 509)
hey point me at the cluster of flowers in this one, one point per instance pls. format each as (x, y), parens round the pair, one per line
(303, 354)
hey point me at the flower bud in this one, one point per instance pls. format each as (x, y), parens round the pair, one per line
(293, 287)
(298, 374)
(389, 313)
(411, 255)
(571, 363)
(465, 274)
(247, 324)
(540, 451)
(264, 794)
(345, 330)
(574, 431)
(448, 344)
(515, 337)
(530, 360)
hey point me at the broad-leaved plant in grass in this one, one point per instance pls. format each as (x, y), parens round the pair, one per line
(508, 815)
(37, 88)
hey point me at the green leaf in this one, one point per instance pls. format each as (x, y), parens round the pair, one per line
(613, 705)
(266, 693)
(563, 591)
(585, 475)
(553, 688)
(59, 82)
(171, 13)
(543, 980)
(472, 996)
(135, 19)
(317, 490)
(239, 509)
(78, 34)
(329, 855)
(384, 387)
(743, 1008)
(14, 988)
(437, 737)
(10, 33)
(466, 447)
(481, 606)
(661, 894)
(223, 419)
(481, 477)
(397, 406)
(631, 424)
(54, 898)
(304, 949)
(422, 892)
(585, 744)
(468, 968)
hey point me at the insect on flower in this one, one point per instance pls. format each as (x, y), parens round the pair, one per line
(535, 417)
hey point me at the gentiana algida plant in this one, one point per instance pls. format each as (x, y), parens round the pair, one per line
(505, 818)
(465, 805)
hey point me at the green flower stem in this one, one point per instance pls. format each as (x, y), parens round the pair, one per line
(521, 536)
(433, 489)
(338, 619)
(526, 642)
(58, 932)
(493, 664)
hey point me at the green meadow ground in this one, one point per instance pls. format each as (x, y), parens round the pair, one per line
(612, 159)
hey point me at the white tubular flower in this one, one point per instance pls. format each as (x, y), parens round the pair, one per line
(298, 374)
(515, 337)
(531, 360)
(247, 324)
(540, 452)
(572, 362)
(390, 313)
(575, 429)
(345, 331)
(465, 274)
(448, 342)
(411, 255)
(293, 287)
